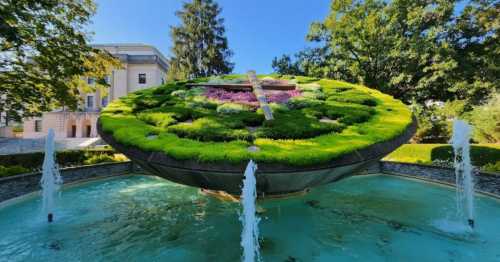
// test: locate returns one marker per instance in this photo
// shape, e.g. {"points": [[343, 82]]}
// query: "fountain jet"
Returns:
{"points": [[250, 232], [51, 178], [463, 171]]}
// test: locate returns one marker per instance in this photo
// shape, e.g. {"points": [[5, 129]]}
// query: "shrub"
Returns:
{"points": [[278, 107], [63, 158], [17, 129], [96, 159], [306, 79], [481, 154], [348, 113], [314, 95], [169, 88], [179, 93], [353, 96], [201, 102], [295, 125], [209, 129], [492, 167], [157, 118], [196, 91], [309, 88], [231, 108], [12, 170], [302, 102], [486, 121], [104, 158], [432, 127], [148, 101]]}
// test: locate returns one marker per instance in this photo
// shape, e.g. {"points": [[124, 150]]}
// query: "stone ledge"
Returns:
{"points": [[485, 182], [15, 186]]}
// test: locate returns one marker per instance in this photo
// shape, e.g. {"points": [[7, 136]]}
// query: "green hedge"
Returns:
{"points": [[12, 170], [64, 158], [482, 155]]}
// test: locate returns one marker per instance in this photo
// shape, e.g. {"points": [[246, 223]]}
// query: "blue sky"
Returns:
{"points": [[257, 30]]}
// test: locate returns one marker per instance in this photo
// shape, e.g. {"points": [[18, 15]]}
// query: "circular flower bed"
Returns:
{"points": [[316, 123]]}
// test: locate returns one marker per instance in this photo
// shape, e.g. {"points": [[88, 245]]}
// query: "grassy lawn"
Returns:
{"points": [[482, 155], [189, 124]]}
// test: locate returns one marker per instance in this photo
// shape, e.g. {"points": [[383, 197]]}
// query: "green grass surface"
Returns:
{"points": [[186, 125], [487, 155]]}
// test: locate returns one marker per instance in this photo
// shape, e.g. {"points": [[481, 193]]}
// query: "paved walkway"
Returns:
{"points": [[18, 145]]}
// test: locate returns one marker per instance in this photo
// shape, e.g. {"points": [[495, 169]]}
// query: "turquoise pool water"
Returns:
{"points": [[140, 218]]}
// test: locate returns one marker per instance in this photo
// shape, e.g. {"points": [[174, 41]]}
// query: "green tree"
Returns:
{"points": [[413, 49], [200, 47], [98, 66], [42, 49], [486, 120], [285, 66], [475, 39]]}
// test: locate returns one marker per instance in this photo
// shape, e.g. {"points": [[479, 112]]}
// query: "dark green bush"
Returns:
{"points": [[479, 155], [305, 79], [12, 170], [348, 113], [96, 159], [63, 158], [492, 167], [294, 125], [158, 119], [211, 129], [169, 88], [303, 102], [353, 96], [148, 101]]}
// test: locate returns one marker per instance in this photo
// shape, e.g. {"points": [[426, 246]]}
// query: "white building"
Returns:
{"points": [[142, 66]]}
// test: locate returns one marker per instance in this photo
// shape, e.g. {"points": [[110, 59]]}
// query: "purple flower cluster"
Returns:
{"points": [[248, 97], [281, 96], [242, 97]]}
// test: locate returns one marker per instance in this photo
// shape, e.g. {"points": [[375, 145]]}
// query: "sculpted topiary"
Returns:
{"points": [[315, 122]]}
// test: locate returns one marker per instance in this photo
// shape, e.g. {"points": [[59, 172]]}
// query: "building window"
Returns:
{"points": [[90, 81], [104, 101], [90, 101], [142, 78], [38, 125]]}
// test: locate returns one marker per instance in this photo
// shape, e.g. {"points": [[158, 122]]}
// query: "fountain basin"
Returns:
{"points": [[143, 218]]}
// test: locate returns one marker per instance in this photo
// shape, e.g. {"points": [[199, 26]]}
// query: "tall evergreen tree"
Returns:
{"points": [[200, 47]]}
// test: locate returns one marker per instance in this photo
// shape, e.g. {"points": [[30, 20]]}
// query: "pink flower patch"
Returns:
{"points": [[248, 97]]}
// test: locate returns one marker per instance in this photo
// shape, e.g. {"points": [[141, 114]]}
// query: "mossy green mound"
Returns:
{"points": [[329, 118]]}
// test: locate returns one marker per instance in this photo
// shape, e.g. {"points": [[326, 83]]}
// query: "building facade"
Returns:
{"points": [[143, 66]]}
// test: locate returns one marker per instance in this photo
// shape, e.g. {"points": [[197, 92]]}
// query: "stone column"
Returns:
{"points": [[93, 121], [79, 125]]}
